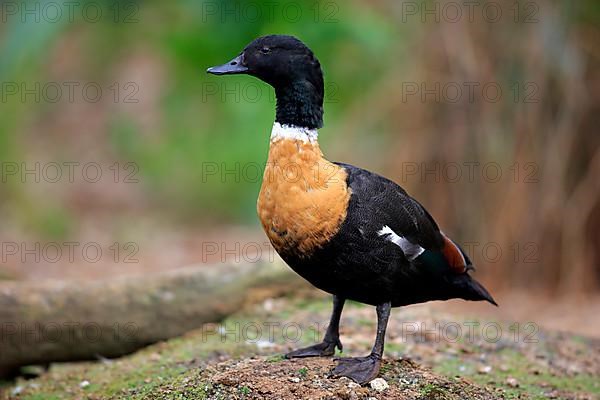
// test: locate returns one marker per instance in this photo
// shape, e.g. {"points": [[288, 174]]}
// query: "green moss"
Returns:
{"points": [[139, 376], [276, 358], [433, 392], [385, 368], [516, 365], [42, 397], [245, 390]]}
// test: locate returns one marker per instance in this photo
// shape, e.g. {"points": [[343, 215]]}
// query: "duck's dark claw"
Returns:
{"points": [[323, 349], [359, 369]]}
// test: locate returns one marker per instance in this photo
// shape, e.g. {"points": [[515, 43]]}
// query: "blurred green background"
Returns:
{"points": [[185, 131]]}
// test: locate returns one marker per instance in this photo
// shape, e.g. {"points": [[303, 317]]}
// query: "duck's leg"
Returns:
{"points": [[332, 336], [365, 369]]}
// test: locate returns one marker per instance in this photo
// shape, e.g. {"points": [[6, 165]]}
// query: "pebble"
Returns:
{"points": [[485, 369], [512, 382], [353, 385], [84, 384], [294, 379], [379, 384], [408, 381], [268, 305]]}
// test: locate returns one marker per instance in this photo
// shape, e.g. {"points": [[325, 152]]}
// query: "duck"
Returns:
{"points": [[349, 232]]}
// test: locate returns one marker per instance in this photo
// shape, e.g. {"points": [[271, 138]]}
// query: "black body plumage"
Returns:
{"points": [[362, 265]]}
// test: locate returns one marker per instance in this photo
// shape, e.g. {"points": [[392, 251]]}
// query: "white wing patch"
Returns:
{"points": [[410, 250]]}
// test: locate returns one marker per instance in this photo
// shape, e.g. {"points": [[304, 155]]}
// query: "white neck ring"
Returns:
{"points": [[293, 132]]}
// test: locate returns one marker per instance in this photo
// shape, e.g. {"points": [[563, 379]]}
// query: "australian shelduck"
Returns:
{"points": [[348, 231]]}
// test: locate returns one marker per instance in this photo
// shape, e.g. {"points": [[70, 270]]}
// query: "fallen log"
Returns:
{"points": [[54, 321]]}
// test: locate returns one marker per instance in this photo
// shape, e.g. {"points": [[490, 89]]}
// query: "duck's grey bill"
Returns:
{"points": [[232, 67]]}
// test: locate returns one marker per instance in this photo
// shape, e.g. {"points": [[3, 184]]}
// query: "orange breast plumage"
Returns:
{"points": [[303, 199]]}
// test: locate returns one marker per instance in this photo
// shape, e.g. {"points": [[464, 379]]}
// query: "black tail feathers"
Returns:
{"points": [[470, 289]]}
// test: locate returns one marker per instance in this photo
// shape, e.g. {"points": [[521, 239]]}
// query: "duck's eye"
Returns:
{"points": [[265, 50]]}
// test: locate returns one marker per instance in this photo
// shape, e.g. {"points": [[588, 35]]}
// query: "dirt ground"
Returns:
{"points": [[259, 378], [431, 353]]}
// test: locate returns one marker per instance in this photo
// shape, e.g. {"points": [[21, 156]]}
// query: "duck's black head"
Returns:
{"points": [[288, 65]]}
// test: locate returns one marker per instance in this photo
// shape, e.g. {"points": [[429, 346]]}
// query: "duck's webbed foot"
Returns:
{"points": [[323, 349], [359, 369], [365, 369]]}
